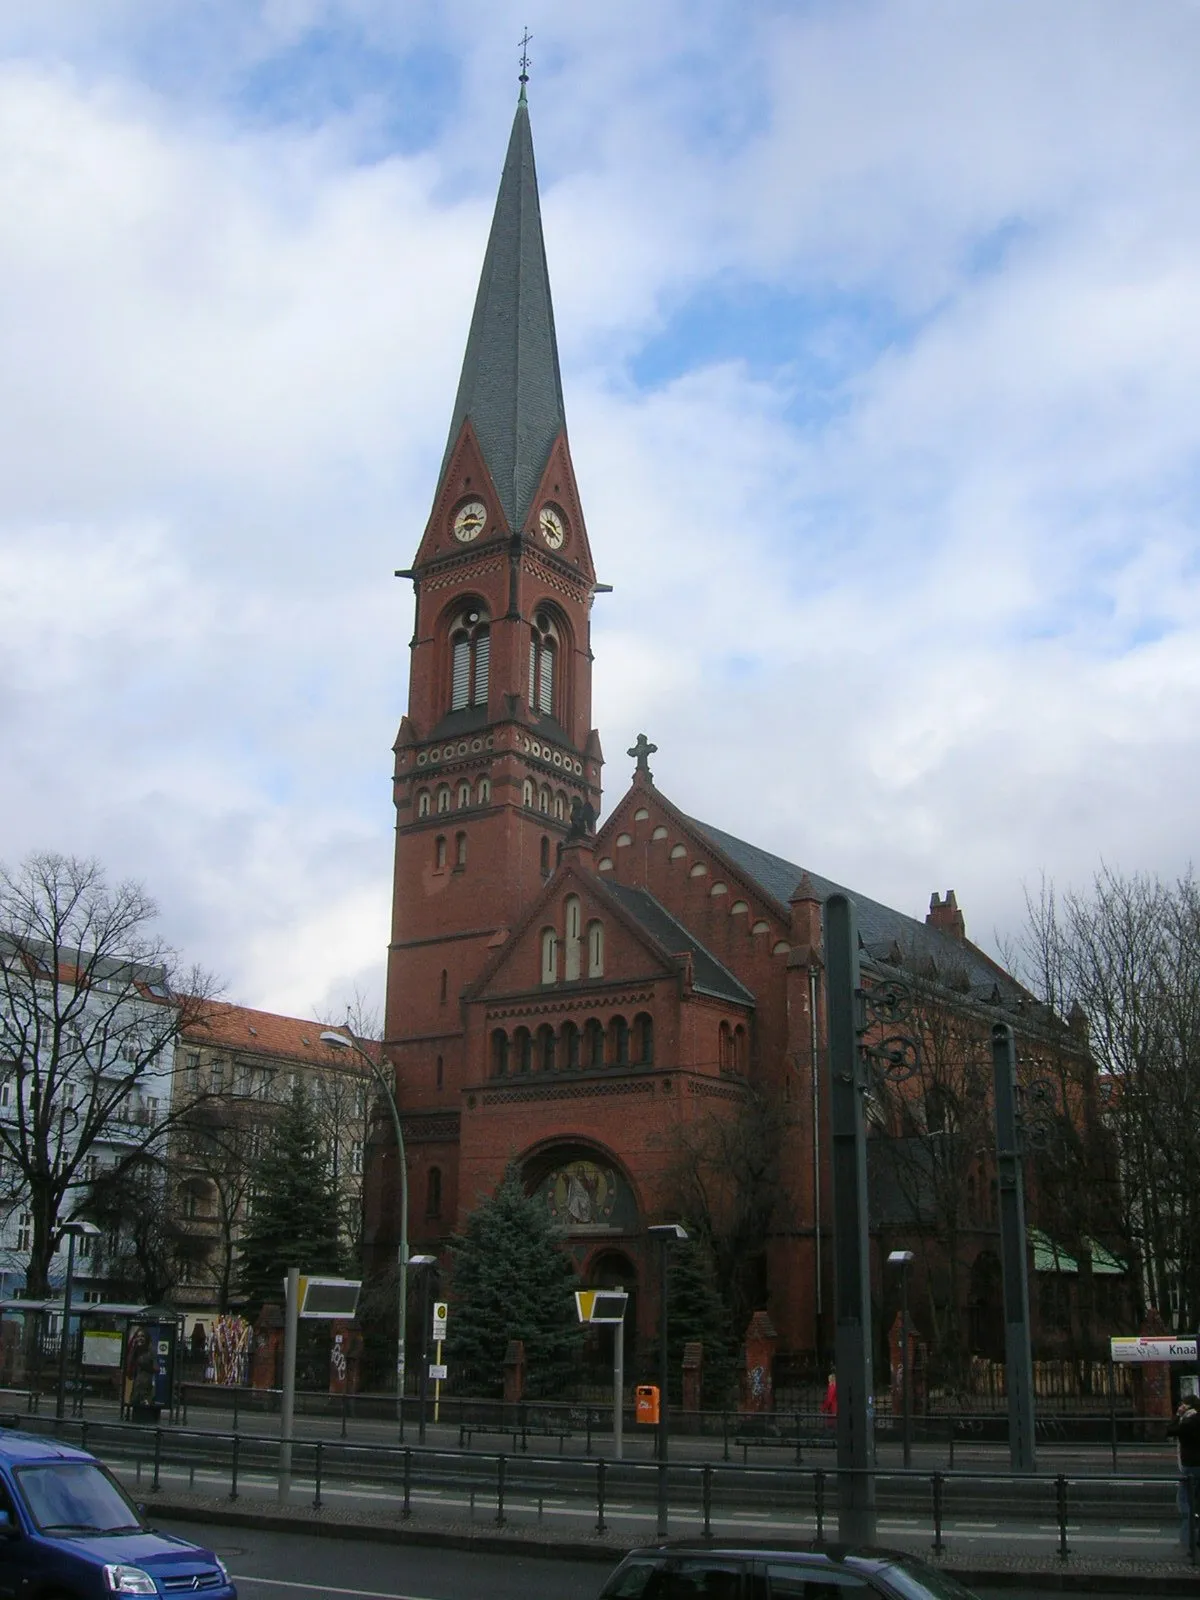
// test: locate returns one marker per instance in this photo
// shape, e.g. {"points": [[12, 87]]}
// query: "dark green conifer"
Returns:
{"points": [[511, 1279]]}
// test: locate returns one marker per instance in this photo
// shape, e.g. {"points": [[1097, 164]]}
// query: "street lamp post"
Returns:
{"points": [[667, 1233], [348, 1041], [73, 1230], [425, 1265], [902, 1259]]}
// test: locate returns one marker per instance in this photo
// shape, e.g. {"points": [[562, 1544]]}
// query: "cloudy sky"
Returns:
{"points": [[880, 329]]}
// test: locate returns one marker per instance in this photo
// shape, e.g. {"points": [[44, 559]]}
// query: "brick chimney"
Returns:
{"points": [[945, 915]]}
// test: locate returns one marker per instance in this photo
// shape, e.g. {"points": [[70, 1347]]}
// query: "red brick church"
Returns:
{"points": [[559, 996]]}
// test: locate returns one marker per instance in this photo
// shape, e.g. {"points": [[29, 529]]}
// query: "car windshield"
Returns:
{"points": [[918, 1582], [76, 1497]]}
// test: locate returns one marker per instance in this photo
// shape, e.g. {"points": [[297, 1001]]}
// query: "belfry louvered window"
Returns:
{"points": [[470, 653], [543, 649]]}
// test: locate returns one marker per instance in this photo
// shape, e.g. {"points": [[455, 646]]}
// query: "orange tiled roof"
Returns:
{"points": [[266, 1033]]}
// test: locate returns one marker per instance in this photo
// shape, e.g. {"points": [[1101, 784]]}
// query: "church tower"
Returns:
{"points": [[497, 749]]}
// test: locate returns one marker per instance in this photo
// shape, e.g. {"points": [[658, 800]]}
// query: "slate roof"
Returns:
{"points": [[510, 387], [879, 927], [709, 976]]}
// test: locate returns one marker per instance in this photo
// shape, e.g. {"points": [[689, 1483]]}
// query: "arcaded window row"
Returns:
{"points": [[574, 1049]]}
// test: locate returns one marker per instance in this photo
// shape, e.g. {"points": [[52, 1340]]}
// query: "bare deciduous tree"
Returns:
{"points": [[91, 1006]]}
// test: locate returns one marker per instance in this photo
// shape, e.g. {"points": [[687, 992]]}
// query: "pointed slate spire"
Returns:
{"points": [[510, 389]]}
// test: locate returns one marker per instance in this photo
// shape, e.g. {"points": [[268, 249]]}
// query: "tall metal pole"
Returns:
{"points": [[1017, 1355], [905, 1370], [618, 1386], [64, 1331], [426, 1274], [287, 1409], [664, 1376], [851, 1258], [347, 1039]]}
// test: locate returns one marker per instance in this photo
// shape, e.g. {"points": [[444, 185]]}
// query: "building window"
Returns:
{"points": [[423, 803], [439, 852], [25, 1231], [549, 955], [83, 1247], [484, 791], [460, 849], [527, 792], [440, 1074], [570, 1045], [560, 807], [5, 1096], [356, 1157], [523, 1040], [593, 1044], [443, 798], [499, 1053], [547, 1060], [543, 655], [216, 1078], [595, 949], [739, 1049], [643, 1026], [574, 923], [619, 1033], [470, 645], [433, 1192], [725, 1048], [464, 796], [545, 858], [445, 986]]}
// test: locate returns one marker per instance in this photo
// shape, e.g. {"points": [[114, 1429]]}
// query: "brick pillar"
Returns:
{"points": [[758, 1381], [693, 1375], [916, 1367], [514, 1371], [268, 1348]]}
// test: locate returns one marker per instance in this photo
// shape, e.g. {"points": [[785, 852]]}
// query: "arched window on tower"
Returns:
{"points": [[433, 1192], [527, 792], [543, 663], [484, 792], [545, 858], [470, 650], [618, 1033], [464, 795], [546, 1054], [593, 1044], [423, 803]]}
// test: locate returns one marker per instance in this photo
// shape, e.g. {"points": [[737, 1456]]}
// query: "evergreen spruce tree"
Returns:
{"points": [[696, 1311], [512, 1280], [294, 1222]]}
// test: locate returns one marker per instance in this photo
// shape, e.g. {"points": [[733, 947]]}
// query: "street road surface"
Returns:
{"points": [[277, 1566]]}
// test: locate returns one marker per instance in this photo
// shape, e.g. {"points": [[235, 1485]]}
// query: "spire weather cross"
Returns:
{"points": [[643, 750], [524, 42]]}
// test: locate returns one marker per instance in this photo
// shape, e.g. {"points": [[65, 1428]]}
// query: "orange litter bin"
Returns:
{"points": [[646, 1396]]}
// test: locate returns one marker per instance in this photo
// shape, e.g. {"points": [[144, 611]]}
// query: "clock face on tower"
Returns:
{"points": [[469, 521], [551, 527]]}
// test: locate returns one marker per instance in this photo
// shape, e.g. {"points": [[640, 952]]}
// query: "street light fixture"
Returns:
{"points": [[347, 1040], [425, 1264], [903, 1259], [668, 1234], [73, 1231]]}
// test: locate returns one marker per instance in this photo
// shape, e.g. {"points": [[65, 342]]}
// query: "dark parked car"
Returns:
{"points": [[712, 1571], [68, 1531]]}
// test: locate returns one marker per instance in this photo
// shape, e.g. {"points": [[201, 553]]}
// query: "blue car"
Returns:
{"points": [[68, 1531]]}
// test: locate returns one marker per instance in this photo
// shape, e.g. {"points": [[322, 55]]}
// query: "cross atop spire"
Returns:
{"points": [[524, 78]]}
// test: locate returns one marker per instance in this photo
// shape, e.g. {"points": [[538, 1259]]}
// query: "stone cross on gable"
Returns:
{"points": [[643, 750]]}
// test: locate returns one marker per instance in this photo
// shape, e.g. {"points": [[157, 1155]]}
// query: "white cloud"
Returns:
{"points": [[936, 627]]}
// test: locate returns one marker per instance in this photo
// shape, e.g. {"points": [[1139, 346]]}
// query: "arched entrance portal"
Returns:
{"points": [[588, 1194]]}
